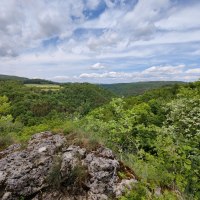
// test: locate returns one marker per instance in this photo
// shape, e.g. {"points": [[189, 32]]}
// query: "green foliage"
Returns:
{"points": [[139, 192], [38, 82], [158, 135], [7, 124], [4, 105], [131, 89], [183, 125], [5, 140], [54, 176], [5, 118], [142, 191], [122, 175], [33, 105], [7, 77], [77, 177], [124, 127]]}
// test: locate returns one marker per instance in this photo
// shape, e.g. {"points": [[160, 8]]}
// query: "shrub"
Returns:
{"points": [[5, 140], [54, 176], [76, 179], [139, 192]]}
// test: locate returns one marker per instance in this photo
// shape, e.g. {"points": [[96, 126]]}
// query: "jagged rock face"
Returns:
{"points": [[49, 169]]}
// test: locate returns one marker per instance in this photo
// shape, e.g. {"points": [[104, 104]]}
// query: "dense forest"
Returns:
{"points": [[130, 89], [157, 133]]}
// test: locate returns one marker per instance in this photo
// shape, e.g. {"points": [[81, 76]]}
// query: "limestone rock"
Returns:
{"points": [[47, 161]]}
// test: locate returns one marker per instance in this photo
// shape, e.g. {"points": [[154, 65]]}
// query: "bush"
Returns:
{"points": [[139, 192], [5, 140], [54, 177], [77, 176]]}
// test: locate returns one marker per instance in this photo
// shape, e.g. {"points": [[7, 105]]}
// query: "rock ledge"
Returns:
{"points": [[49, 169]]}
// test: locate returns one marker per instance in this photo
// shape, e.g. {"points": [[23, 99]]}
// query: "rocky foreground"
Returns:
{"points": [[51, 169]]}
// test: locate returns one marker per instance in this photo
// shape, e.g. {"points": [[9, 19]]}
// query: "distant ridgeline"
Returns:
{"points": [[119, 89], [155, 133], [7, 77], [35, 100], [26, 80], [132, 89]]}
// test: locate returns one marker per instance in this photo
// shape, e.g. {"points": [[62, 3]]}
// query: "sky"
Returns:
{"points": [[100, 41]]}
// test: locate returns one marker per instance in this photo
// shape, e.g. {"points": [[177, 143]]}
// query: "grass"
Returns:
{"points": [[5, 141], [54, 176], [45, 87], [77, 178]]}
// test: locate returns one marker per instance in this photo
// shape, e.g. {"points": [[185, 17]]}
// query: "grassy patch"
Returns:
{"points": [[5, 141], [45, 87]]}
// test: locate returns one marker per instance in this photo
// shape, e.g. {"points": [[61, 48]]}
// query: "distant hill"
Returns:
{"points": [[119, 89], [39, 81], [130, 89], [26, 80], [8, 77]]}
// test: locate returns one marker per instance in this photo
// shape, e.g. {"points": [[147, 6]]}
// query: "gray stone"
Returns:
{"points": [[123, 186], [42, 149], [2, 177], [157, 191], [25, 173], [7, 196]]}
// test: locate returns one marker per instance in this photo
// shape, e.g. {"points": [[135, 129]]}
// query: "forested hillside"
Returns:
{"points": [[32, 105], [130, 89], [7, 77], [157, 134], [25, 80]]}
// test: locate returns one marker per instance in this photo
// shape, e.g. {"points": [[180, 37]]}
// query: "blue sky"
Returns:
{"points": [[100, 41]]}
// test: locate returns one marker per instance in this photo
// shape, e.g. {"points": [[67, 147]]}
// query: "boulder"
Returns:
{"points": [[49, 169]]}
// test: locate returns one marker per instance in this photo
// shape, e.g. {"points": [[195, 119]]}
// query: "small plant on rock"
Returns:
{"points": [[77, 178], [54, 176]]}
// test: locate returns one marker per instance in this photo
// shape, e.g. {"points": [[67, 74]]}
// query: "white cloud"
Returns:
{"points": [[97, 66], [164, 70], [92, 4], [193, 71], [113, 75], [144, 33], [181, 18], [24, 24], [167, 72]]}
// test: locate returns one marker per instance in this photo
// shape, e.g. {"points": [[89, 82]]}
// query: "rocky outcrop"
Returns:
{"points": [[49, 169]]}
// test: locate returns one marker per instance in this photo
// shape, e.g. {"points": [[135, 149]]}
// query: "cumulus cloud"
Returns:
{"points": [[193, 71], [163, 70], [55, 33], [167, 72], [113, 75], [24, 24], [28, 23], [97, 66]]}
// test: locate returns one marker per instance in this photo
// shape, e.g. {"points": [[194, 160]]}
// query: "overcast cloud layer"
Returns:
{"points": [[102, 41]]}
